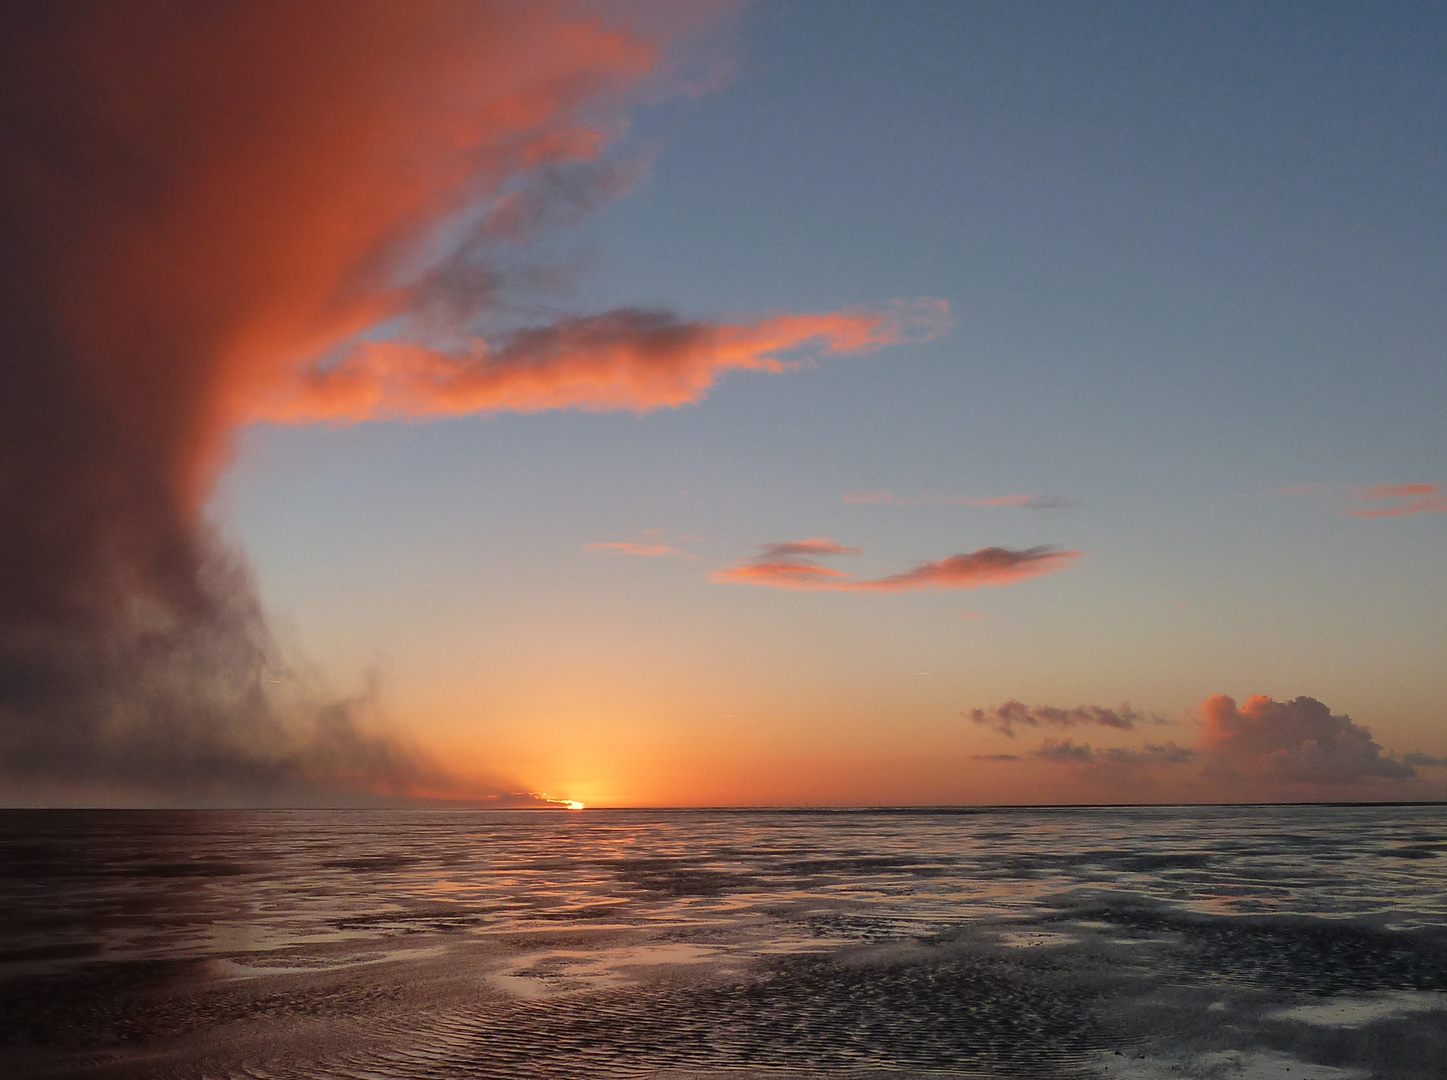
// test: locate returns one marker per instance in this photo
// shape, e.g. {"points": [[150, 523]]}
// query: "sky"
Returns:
{"points": [[724, 404]]}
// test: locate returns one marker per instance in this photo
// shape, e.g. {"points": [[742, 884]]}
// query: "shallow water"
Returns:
{"points": [[1136, 942]]}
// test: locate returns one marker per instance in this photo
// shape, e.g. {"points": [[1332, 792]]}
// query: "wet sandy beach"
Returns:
{"points": [[1133, 943]]}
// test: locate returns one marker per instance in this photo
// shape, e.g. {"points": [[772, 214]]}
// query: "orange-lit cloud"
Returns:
{"points": [[624, 547], [625, 359], [1402, 500], [1299, 740], [936, 498], [1373, 500], [786, 566], [1007, 717]]}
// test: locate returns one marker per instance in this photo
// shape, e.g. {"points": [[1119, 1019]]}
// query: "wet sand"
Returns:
{"points": [[1133, 944]]}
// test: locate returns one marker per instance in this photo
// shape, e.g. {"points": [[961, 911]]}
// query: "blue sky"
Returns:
{"points": [[1194, 255]]}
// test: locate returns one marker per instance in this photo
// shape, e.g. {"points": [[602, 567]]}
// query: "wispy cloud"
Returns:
{"points": [[1025, 502], [815, 545], [627, 547], [789, 566], [627, 359], [937, 498], [1007, 717], [1068, 752], [1372, 500], [1398, 500]]}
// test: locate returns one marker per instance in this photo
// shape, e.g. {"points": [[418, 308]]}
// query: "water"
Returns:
{"points": [[1134, 943]]}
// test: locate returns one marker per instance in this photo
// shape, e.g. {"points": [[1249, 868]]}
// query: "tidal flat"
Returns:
{"points": [[1282, 942]]}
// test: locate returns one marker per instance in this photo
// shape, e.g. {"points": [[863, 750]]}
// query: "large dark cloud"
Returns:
{"points": [[195, 199]]}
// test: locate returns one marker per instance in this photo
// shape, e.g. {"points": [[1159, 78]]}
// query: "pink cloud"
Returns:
{"points": [[1374, 500], [625, 547], [785, 566], [815, 545], [1262, 749], [626, 359], [1403, 499], [1299, 740]]}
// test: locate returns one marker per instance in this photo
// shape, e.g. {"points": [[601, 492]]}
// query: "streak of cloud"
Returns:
{"points": [[1372, 500], [815, 545], [1401, 500], [1014, 714], [785, 566], [935, 498], [625, 359], [625, 547], [1072, 753]]}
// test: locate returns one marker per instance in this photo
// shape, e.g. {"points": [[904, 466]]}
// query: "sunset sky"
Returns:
{"points": [[792, 403]]}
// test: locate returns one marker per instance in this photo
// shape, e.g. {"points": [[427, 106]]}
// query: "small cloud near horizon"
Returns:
{"points": [[1416, 757], [1005, 718], [1300, 740], [1070, 752], [789, 566]]}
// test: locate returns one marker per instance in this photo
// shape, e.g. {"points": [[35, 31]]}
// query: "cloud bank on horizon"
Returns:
{"points": [[1298, 745], [217, 214]]}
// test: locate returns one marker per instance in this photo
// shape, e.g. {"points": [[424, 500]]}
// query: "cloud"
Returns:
{"points": [[1005, 718], [817, 545], [1402, 500], [624, 547], [1071, 753], [1373, 500], [935, 498], [626, 359], [995, 757], [213, 214], [1416, 757], [1025, 502], [784, 566], [1299, 740]]}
